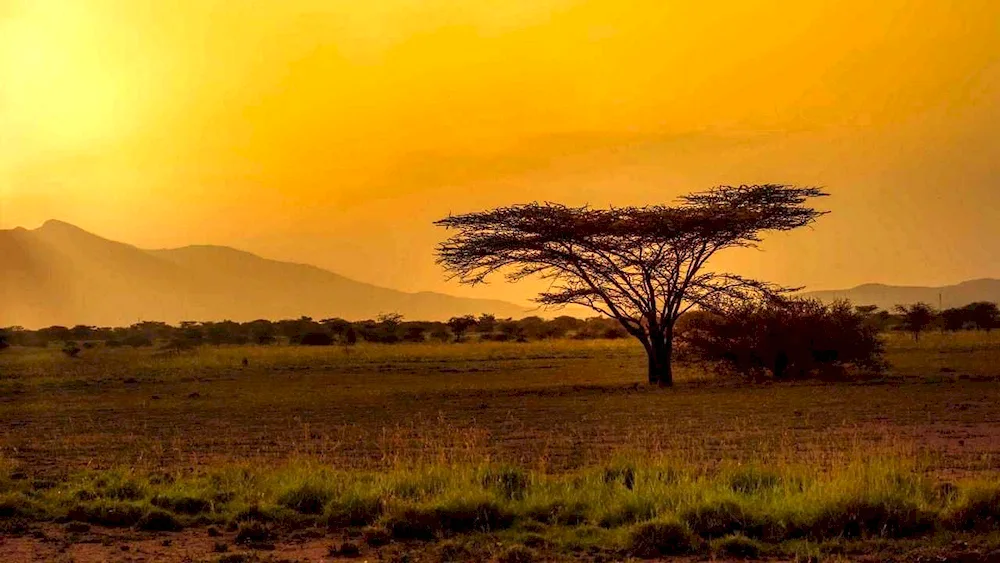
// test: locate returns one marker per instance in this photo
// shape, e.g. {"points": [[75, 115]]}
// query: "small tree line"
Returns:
{"points": [[306, 331]]}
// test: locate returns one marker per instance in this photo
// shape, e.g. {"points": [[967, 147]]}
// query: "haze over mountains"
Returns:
{"points": [[59, 274], [888, 296]]}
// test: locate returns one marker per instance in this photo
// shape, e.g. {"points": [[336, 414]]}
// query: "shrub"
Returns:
{"points": [[316, 339], [796, 338], [71, 349], [661, 539]]}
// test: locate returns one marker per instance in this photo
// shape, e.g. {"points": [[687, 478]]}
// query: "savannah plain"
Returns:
{"points": [[507, 451]]}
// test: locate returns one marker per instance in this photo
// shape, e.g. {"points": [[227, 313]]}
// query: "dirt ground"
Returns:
{"points": [[71, 543]]}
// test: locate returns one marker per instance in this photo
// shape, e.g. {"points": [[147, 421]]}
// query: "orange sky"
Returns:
{"points": [[334, 131]]}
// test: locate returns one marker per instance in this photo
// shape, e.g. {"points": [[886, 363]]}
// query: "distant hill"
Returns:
{"points": [[888, 296], [61, 274]]}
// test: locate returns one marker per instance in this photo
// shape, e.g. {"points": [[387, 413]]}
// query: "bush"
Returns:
{"points": [[661, 539], [793, 339], [316, 339]]}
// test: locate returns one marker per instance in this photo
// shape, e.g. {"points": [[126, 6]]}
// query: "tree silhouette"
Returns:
{"points": [[644, 266], [916, 318], [461, 325]]}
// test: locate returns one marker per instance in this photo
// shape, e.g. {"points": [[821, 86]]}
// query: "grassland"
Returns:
{"points": [[549, 448]]}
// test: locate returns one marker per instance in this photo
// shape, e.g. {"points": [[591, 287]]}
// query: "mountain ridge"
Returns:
{"points": [[62, 274], [887, 296]]}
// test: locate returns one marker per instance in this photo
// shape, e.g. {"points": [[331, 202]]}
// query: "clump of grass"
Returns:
{"points": [[306, 498], [620, 474], [978, 511], [16, 505], [128, 489], [112, 514], [354, 510], [630, 511], [518, 554], [509, 482], [253, 533], [723, 518], [413, 524], [473, 515], [661, 539], [880, 518], [376, 536], [753, 480], [450, 551], [182, 504], [157, 520], [418, 486], [738, 546], [558, 513]]}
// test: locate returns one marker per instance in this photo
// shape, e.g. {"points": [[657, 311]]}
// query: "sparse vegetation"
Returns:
{"points": [[533, 445]]}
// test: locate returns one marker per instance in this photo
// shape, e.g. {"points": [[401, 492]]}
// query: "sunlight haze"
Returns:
{"points": [[334, 132]]}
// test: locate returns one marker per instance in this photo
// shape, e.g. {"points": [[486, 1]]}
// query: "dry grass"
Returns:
{"points": [[546, 406], [553, 445]]}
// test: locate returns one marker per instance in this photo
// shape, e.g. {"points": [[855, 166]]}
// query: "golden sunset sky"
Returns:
{"points": [[334, 132]]}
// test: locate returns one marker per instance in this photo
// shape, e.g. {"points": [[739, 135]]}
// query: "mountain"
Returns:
{"points": [[61, 274], [888, 296]]}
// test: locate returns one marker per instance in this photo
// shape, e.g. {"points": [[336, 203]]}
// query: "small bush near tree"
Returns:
{"points": [[788, 339]]}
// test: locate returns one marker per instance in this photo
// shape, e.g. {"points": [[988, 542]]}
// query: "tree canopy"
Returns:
{"points": [[644, 266]]}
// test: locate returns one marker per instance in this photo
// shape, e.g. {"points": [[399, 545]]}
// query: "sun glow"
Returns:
{"points": [[58, 89]]}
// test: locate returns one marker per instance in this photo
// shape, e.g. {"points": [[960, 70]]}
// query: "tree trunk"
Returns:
{"points": [[660, 352]]}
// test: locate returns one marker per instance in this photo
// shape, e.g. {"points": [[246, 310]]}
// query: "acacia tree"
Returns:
{"points": [[916, 318], [644, 266]]}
